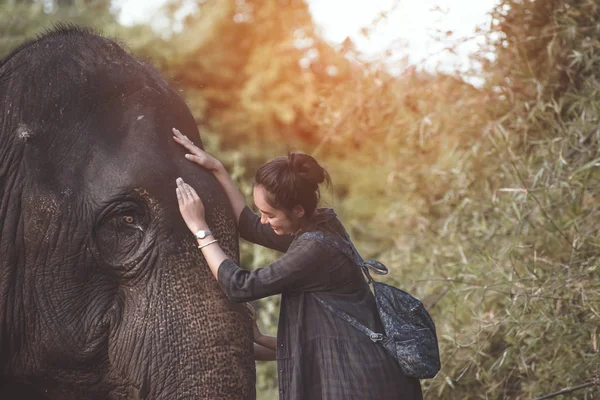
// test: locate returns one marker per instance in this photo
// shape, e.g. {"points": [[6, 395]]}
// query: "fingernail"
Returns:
{"points": [[188, 155], [179, 180]]}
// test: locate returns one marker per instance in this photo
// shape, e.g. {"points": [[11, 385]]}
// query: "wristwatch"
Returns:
{"points": [[201, 234]]}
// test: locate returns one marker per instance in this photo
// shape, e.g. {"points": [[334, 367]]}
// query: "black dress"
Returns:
{"points": [[318, 355]]}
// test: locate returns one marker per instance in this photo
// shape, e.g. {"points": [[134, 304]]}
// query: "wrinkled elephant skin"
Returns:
{"points": [[103, 293]]}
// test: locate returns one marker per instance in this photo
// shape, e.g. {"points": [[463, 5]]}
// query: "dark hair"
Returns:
{"points": [[292, 180]]}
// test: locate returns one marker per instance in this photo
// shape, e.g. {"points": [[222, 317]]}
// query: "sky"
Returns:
{"points": [[409, 30]]}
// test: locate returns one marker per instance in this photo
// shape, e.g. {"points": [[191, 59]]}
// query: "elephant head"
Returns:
{"points": [[103, 293]]}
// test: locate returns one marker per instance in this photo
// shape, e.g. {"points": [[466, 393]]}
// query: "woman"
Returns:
{"points": [[318, 355]]}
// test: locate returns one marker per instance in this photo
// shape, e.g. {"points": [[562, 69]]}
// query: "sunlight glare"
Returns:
{"points": [[417, 30]]}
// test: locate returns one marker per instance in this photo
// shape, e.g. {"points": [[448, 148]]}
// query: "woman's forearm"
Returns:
{"points": [[262, 353], [211, 250], [270, 342], [235, 197]]}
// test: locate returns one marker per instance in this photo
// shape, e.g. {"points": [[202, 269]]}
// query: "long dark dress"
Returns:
{"points": [[318, 355]]}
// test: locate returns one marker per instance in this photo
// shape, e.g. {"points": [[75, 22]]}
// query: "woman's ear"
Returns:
{"points": [[298, 211]]}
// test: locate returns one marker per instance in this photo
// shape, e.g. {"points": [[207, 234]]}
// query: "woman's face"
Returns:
{"points": [[281, 222]]}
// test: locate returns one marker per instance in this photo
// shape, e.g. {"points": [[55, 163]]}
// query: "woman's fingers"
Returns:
{"points": [[197, 155], [184, 141], [190, 206], [182, 191], [191, 192], [251, 311], [202, 159], [188, 192], [179, 196], [182, 137], [182, 194], [185, 192], [178, 134], [196, 159]]}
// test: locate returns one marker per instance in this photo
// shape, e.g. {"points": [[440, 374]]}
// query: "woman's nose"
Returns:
{"points": [[263, 220]]}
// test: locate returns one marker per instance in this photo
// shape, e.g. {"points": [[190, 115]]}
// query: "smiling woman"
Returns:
{"points": [[286, 199], [318, 356]]}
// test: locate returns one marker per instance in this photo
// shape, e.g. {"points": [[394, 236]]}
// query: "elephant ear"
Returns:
{"points": [[120, 233]]}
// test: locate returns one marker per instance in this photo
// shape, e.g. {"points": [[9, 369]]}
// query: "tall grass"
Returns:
{"points": [[485, 203]]}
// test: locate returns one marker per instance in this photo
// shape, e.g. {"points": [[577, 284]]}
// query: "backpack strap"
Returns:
{"points": [[349, 250], [375, 337], [347, 247]]}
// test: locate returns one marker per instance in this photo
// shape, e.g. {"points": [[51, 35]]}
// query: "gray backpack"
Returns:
{"points": [[409, 332]]}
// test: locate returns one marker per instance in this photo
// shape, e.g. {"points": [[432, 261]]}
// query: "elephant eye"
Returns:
{"points": [[120, 233]]}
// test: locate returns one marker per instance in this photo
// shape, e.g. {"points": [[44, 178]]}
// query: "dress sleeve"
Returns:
{"points": [[305, 267], [252, 230]]}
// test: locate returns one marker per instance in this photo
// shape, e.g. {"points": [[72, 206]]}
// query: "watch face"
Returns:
{"points": [[202, 234]]}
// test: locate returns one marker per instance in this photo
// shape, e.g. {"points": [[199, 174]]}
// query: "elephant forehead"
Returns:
{"points": [[141, 151], [149, 174]]}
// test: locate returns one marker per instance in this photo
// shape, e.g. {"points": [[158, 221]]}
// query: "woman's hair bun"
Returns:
{"points": [[307, 168], [292, 180]]}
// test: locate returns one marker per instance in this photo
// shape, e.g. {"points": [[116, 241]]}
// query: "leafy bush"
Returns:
{"points": [[483, 202]]}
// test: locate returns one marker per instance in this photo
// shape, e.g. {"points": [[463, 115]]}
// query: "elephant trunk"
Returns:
{"points": [[180, 337]]}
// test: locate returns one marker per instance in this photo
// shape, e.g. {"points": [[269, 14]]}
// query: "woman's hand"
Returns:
{"points": [[197, 155], [200, 157], [256, 333], [267, 345], [190, 206]]}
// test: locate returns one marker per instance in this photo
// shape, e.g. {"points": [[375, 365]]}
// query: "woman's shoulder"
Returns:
{"points": [[330, 242], [312, 237], [325, 228]]}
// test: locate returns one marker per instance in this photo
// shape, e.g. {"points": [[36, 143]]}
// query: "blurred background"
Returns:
{"points": [[462, 138]]}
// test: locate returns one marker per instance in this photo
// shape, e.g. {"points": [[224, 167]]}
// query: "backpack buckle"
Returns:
{"points": [[376, 337]]}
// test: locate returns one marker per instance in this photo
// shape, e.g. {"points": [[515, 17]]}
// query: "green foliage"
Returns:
{"points": [[520, 313], [483, 202], [22, 20]]}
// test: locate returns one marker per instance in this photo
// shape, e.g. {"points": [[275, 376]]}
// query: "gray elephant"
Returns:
{"points": [[103, 294]]}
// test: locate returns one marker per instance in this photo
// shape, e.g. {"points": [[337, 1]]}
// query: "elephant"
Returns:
{"points": [[103, 293]]}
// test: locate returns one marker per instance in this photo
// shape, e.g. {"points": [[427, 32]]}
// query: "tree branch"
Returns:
{"points": [[569, 390]]}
